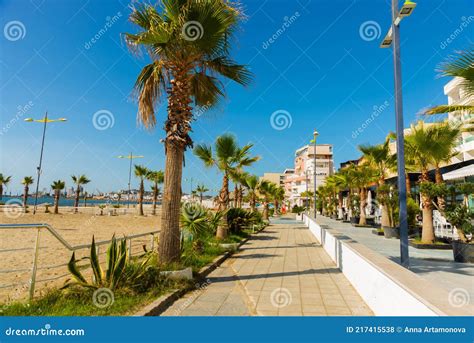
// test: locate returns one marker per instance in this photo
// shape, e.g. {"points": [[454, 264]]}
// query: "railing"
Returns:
{"points": [[442, 228], [36, 248]]}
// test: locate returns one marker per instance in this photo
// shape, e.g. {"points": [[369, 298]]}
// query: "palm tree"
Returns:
{"points": [[238, 175], [156, 178], [381, 159], [251, 183], [79, 181], [4, 180], [201, 189], [27, 181], [460, 65], [446, 137], [278, 196], [141, 172], [420, 143], [363, 175], [184, 68], [57, 187], [227, 157], [266, 189]]}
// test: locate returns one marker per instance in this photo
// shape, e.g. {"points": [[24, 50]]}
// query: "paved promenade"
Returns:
{"points": [[436, 266], [282, 271]]}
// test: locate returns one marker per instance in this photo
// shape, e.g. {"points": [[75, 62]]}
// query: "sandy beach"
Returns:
{"points": [[16, 245]]}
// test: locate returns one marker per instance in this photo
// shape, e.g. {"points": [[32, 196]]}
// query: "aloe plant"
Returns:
{"points": [[115, 275]]}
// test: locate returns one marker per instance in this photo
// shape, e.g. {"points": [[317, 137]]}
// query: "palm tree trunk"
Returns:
{"points": [[155, 198], [200, 198], [56, 201], [1, 191], [408, 183], [385, 219], [236, 195], [439, 181], [169, 243], [363, 204], [275, 205], [76, 199], [25, 197], [140, 198], [427, 233], [265, 210], [223, 202], [340, 203], [253, 202]]}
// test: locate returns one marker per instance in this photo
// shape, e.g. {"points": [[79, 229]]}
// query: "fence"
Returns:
{"points": [[34, 266]]}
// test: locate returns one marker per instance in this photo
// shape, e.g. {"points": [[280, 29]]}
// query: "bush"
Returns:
{"points": [[298, 209], [239, 219], [460, 217]]}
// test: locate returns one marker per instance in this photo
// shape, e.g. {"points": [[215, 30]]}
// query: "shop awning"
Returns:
{"points": [[460, 173]]}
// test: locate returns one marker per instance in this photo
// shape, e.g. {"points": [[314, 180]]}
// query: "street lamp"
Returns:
{"points": [[315, 135], [45, 121], [393, 36], [130, 157]]}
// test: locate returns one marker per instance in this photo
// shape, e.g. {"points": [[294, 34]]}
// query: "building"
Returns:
{"points": [[302, 177], [276, 178], [457, 96]]}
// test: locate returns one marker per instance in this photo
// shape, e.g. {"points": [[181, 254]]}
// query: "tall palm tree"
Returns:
{"points": [[201, 189], [459, 65], [4, 180], [78, 181], [251, 183], [156, 178], [57, 187], [27, 181], [242, 159], [420, 143], [382, 160], [141, 172], [278, 195], [226, 159], [188, 43]]}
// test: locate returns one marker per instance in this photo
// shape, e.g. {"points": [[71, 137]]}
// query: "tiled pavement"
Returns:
{"points": [[282, 271]]}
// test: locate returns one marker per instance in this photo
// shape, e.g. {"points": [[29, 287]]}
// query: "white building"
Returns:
{"points": [[302, 178], [457, 96]]}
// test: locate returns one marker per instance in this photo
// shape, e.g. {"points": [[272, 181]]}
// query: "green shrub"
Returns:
{"points": [[298, 209], [239, 219], [460, 217]]}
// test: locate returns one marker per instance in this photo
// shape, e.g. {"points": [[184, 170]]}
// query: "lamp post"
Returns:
{"points": [[130, 157], [393, 36], [315, 135], [45, 121]]}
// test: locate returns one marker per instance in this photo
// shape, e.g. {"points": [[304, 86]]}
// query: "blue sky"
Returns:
{"points": [[321, 69]]}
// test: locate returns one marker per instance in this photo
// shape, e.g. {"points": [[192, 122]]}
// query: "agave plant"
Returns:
{"points": [[115, 274]]}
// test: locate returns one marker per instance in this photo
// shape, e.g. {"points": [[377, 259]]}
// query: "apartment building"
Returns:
{"points": [[302, 178]]}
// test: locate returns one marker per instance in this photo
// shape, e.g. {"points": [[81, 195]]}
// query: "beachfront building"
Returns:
{"points": [[276, 178], [302, 178]]}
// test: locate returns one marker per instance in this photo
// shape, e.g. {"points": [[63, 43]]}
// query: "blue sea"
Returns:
{"points": [[68, 201]]}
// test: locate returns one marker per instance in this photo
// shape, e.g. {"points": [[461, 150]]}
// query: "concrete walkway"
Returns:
{"points": [[436, 266], [282, 271]]}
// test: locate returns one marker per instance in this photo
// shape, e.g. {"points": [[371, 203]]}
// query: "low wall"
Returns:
{"points": [[388, 288]]}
